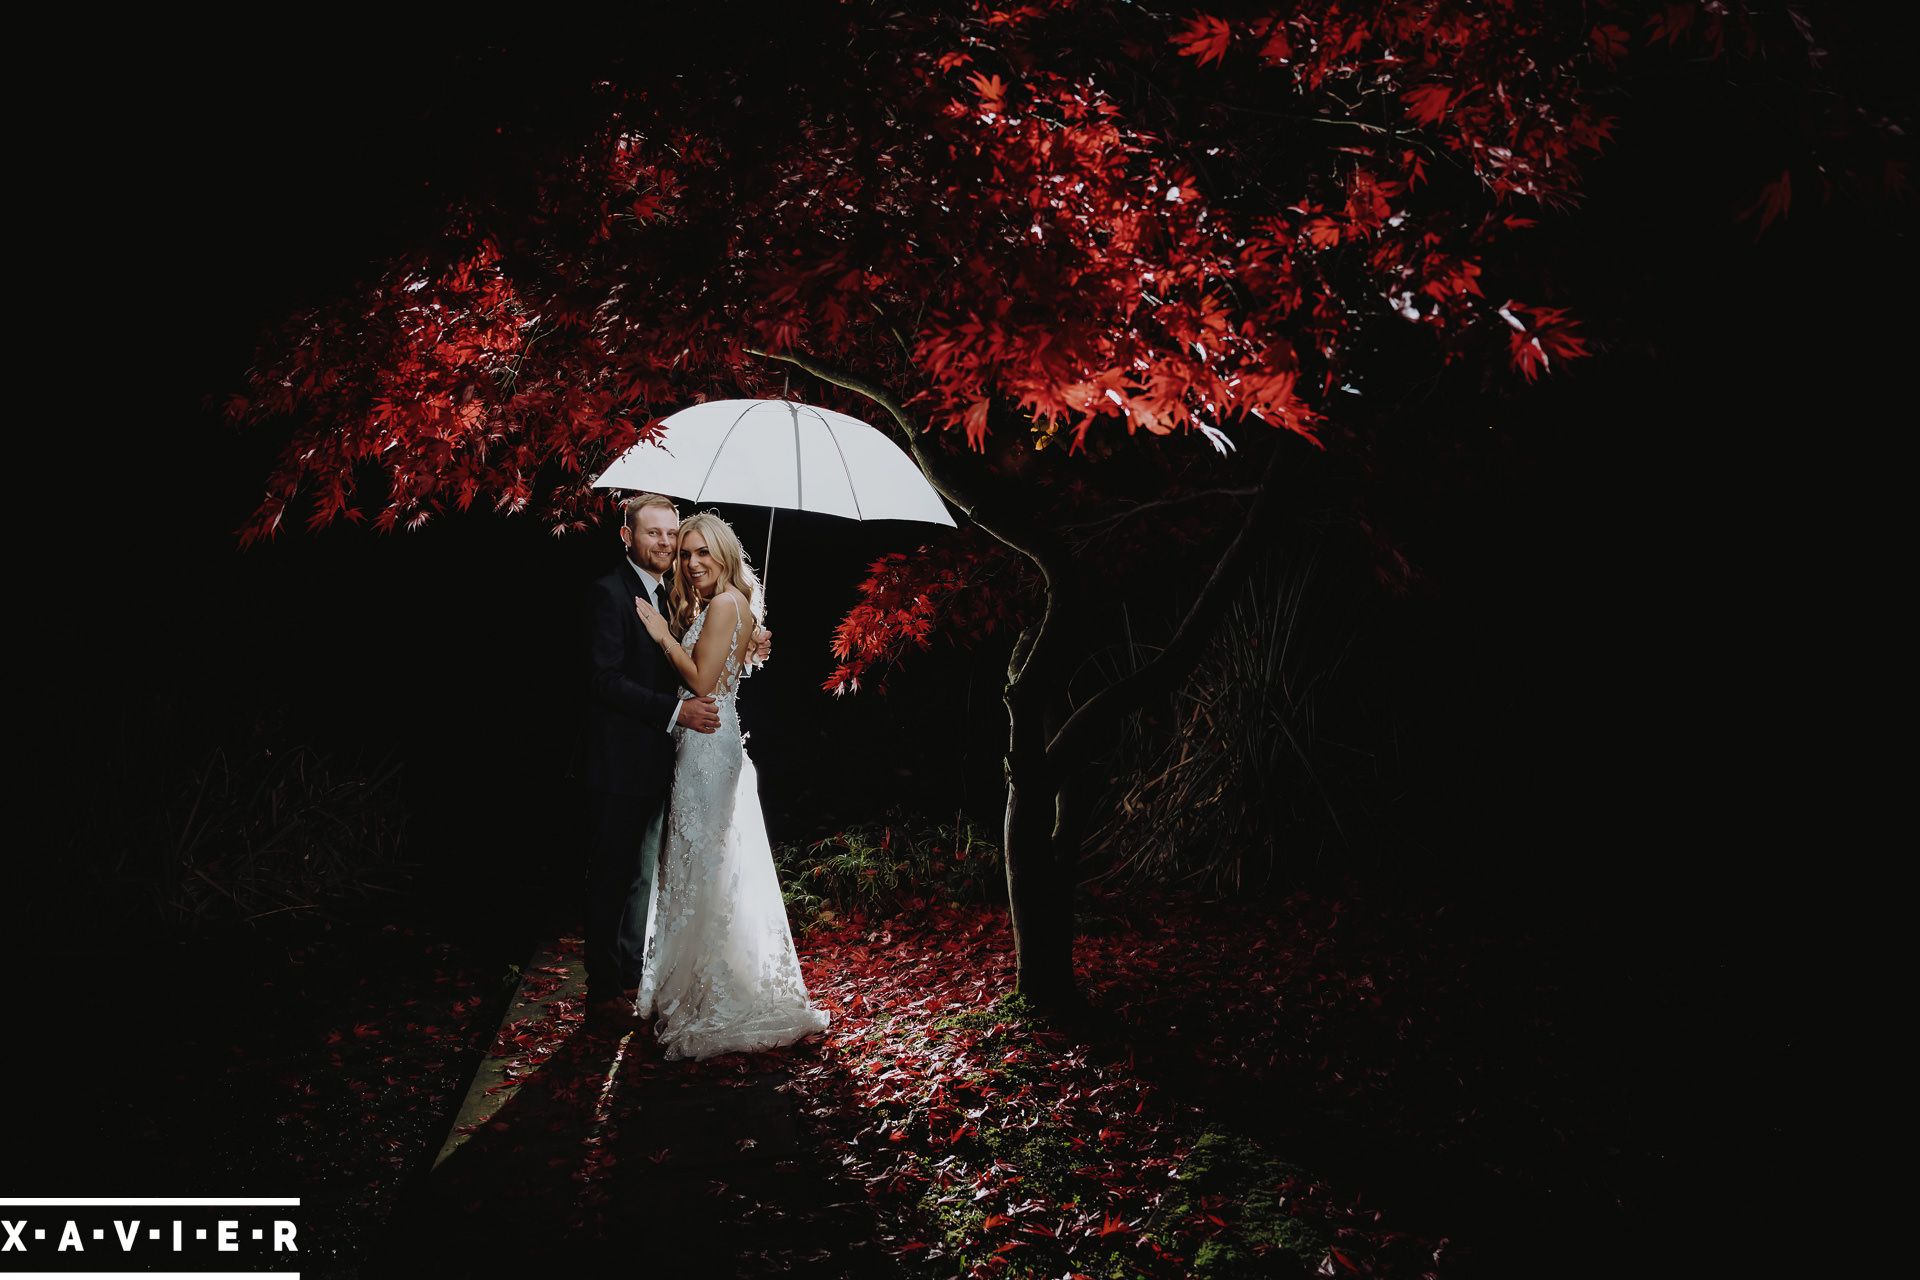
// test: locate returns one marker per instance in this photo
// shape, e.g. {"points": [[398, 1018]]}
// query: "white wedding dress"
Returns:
{"points": [[720, 975]]}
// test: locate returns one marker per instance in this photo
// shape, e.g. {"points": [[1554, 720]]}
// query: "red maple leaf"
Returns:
{"points": [[1539, 334], [1277, 50], [1427, 103], [992, 91], [1322, 232], [1610, 42], [1671, 22], [1775, 199], [1204, 39]]}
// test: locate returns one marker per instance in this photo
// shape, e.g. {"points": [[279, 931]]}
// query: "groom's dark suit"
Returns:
{"points": [[633, 690]]}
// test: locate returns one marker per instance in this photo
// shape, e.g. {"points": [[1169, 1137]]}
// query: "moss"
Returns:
{"points": [[1225, 1164], [1045, 1157], [1011, 1008], [956, 1229], [1221, 1258]]}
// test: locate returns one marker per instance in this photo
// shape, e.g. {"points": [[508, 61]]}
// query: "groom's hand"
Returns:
{"points": [[700, 714], [762, 645]]}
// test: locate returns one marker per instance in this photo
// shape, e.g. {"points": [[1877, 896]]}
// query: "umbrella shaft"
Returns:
{"points": [[766, 561]]}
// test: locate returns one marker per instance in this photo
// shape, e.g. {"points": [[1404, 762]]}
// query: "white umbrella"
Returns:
{"points": [[778, 453]]}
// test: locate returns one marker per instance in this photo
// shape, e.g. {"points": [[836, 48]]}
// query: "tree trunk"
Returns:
{"points": [[1039, 874]]}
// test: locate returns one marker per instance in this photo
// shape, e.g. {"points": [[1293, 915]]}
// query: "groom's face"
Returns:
{"points": [[652, 538]]}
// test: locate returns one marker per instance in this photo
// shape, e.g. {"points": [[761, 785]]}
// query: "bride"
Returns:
{"points": [[720, 972]]}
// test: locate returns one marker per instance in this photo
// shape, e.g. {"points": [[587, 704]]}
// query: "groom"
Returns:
{"points": [[635, 703]]}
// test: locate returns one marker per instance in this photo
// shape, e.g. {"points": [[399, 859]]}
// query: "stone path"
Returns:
{"points": [[605, 1156]]}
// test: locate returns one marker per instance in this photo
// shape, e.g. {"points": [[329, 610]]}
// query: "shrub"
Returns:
{"points": [[878, 867], [1248, 787], [205, 822]]}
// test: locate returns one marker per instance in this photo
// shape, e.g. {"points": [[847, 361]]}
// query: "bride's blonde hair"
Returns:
{"points": [[735, 572]]}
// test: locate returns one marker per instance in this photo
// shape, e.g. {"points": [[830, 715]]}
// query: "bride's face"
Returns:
{"points": [[699, 569]]}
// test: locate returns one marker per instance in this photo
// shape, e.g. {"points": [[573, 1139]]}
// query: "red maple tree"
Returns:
{"points": [[1047, 244]]}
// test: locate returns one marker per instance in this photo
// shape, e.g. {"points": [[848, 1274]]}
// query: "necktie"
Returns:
{"points": [[660, 597]]}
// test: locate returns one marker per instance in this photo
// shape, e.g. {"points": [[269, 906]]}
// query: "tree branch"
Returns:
{"points": [[1118, 516], [1172, 664], [1042, 546]]}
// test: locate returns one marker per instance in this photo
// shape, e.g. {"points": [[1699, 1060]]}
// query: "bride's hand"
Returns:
{"points": [[650, 619]]}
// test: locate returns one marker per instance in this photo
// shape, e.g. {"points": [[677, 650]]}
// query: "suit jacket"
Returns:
{"points": [[632, 689]]}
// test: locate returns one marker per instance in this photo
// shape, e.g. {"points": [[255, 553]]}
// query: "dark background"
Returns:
{"points": [[1643, 690]]}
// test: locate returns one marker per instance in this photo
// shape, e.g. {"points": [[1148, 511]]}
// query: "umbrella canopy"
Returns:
{"points": [[782, 454]]}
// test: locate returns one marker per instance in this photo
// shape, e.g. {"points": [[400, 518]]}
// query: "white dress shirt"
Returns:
{"points": [[652, 585]]}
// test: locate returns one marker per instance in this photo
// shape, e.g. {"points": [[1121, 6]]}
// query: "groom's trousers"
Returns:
{"points": [[619, 884]]}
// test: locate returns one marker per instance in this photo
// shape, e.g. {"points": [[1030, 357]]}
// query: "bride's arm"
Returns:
{"points": [[699, 670]]}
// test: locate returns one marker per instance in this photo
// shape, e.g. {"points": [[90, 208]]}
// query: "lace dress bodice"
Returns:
{"points": [[732, 671], [706, 763]]}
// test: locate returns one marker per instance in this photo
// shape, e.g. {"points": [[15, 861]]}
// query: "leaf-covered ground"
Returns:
{"points": [[1310, 1086], [1317, 1085]]}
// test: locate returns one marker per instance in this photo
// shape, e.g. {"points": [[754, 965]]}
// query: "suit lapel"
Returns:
{"points": [[631, 576], [664, 675], [635, 587]]}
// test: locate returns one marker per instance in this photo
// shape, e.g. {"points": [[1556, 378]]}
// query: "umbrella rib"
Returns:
{"points": [[799, 477], [722, 448], [844, 468]]}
